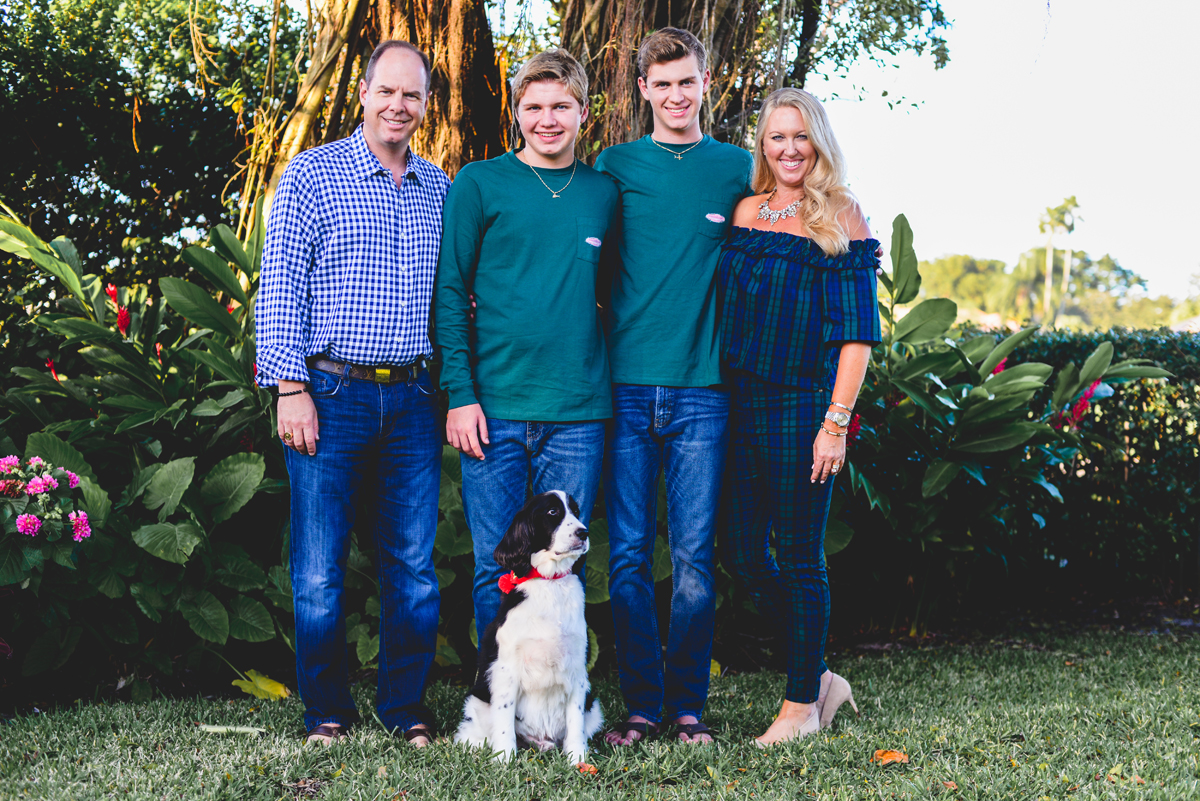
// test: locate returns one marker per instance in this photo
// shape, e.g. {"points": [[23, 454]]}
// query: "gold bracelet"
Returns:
{"points": [[832, 433]]}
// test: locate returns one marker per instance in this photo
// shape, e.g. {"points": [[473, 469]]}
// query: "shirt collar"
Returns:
{"points": [[367, 163]]}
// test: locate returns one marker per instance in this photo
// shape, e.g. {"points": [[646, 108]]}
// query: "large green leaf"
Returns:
{"points": [[59, 454], [258, 235], [367, 649], [225, 242], [106, 580], [149, 600], [596, 576], [23, 243], [120, 627], [173, 542], [1065, 386], [206, 616], [661, 567], [451, 539], [1030, 371], [922, 399], [96, 503], [1128, 371], [941, 363], [232, 483], [999, 438], [12, 565], [50, 650], [249, 620], [197, 305], [1006, 347], [837, 536], [241, 574], [215, 269], [938, 476], [906, 277], [167, 486], [1096, 364], [991, 408], [929, 319]]}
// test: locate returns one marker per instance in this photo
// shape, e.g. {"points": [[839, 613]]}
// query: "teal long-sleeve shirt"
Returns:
{"points": [[535, 350]]}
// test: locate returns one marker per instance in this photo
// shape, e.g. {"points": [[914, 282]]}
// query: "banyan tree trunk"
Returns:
{"points": [[605, 35], [467, 114]]}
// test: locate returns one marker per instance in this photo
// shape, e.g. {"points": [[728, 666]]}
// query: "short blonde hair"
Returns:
{"points": [[825, 192], [554, 64], [669, 44]]}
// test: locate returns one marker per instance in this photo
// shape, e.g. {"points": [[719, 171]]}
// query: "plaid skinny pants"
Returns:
{"points": [[772, 429]]}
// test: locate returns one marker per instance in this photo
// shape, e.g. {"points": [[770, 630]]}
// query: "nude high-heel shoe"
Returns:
{"points": [[835, 691]]}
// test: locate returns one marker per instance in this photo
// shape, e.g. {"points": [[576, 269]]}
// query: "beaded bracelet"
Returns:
{"points": [[832, 433], [289, 394]]}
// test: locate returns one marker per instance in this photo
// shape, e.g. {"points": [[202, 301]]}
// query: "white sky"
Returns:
{"points": [[1092, 98], [1042, 99]]}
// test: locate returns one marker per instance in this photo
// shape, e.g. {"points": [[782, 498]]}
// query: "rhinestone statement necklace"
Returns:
{"points": [[765, 212], [554, 194]]}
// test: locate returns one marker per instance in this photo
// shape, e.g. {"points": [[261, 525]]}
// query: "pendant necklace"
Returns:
{"points": [[678, 155], [553, 194], [765, 212]]}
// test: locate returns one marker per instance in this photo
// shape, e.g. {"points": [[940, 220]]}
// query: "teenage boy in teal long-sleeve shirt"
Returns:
{"points": [[528, 376], [678, 190]]}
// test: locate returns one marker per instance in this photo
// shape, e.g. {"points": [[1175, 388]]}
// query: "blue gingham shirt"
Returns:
{"points": [[348, 262]]}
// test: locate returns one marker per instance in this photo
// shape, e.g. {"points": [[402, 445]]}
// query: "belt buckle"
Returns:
{"points": [[383, 375]]}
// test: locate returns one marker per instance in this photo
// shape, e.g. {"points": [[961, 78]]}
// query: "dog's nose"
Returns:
{"points": [[582, 534]]}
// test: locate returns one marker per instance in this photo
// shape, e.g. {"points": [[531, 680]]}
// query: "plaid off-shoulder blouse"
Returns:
{"points": [[787, 307]]}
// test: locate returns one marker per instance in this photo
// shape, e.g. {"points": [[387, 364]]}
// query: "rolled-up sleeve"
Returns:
{"points": [[850, 296], [281, 314]]}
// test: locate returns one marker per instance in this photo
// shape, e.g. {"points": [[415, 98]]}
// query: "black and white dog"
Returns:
{"points": [[532, 680]]}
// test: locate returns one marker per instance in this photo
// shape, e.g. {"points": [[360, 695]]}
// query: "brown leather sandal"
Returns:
{"points": [[333, 731], [420, 730]]}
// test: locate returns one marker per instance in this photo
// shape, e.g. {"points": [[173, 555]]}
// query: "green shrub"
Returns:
{"points": [[958, 451]]}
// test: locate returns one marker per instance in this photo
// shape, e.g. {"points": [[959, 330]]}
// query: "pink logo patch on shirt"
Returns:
{"points": [[717, 218], [593, 241]]}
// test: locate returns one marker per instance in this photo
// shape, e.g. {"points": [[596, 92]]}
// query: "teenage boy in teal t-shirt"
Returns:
{"points": [[678, 189], [528, 375]]}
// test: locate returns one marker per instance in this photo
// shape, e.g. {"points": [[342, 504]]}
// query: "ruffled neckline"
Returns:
{"points": [[780, 244]]}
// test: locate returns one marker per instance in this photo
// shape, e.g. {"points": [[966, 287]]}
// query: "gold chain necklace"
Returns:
{"points": [[553, 194], [677, 154]]}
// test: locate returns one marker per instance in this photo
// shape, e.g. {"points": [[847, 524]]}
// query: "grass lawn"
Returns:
{"points": [[1102, 715]]}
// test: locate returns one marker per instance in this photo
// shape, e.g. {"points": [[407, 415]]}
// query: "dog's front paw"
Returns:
{"points": [[504, 755], [577, 755]]}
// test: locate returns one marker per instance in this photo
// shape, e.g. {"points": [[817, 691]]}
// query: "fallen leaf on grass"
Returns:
{"points": [[261, 686], [382, 771], [888, 757], [950, 785], [231, 729], [1138, 779], [584, 767]]}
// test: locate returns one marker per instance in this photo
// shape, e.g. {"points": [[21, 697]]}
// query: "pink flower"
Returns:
{"points": [[123, 320], [34, 461], [1000, 367], [41, 484], [9, 462], [12, 488], [853, 429], [80, 526], [28, 524], [72, 479]]}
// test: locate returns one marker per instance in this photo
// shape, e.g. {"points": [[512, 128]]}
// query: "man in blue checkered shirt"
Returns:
{"points": [[343, 313]]}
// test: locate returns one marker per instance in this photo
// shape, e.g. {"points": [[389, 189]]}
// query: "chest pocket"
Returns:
{"points": [[590, 235], [711, 217]]}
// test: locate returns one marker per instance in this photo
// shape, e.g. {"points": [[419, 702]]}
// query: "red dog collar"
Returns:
{"points": [[509, 581]]}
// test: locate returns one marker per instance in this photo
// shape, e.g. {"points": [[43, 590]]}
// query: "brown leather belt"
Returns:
{"points": [[382, 374]]}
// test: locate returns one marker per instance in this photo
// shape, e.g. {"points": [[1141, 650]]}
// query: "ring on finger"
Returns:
{"points": [[287, 437]]}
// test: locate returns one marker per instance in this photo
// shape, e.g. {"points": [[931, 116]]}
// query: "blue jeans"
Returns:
{"points": [[682, 431], [380, 446], [550, 456]]}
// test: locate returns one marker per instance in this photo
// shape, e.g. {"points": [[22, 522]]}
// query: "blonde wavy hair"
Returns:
{"points": [[825, 192]]}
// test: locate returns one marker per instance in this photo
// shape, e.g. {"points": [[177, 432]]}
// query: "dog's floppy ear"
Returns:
{"points": [[515, 546]]}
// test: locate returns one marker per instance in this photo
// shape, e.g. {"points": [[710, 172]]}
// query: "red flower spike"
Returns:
{"points": [[123, 320], [53, 372], [158, 351], [111, 291], [1000, 367], [853, 429]]}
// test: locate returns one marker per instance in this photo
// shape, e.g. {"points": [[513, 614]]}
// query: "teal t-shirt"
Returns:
{"points": [[535, 350], [674, 214]]}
